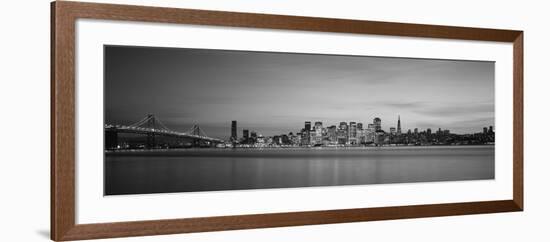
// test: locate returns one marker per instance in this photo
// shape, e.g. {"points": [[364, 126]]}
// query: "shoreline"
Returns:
{"points": [[289, 148]]}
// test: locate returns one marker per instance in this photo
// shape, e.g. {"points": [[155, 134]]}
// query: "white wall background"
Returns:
{"points": [[24, 119]]}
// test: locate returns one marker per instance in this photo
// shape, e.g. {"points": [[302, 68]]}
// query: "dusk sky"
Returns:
{"points": [[274, 93]]}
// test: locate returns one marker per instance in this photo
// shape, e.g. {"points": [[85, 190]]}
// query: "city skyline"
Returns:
{"points": [[386, 128], [274, 93], [312, 134], [235, 129]]}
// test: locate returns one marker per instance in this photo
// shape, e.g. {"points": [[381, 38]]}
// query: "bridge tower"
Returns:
{"points": [[150, 136], [196, 130], [155, 132]]}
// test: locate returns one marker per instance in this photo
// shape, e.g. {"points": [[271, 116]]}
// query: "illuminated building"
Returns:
{"points": [[352, 133], [377, 124], [233, 130]]}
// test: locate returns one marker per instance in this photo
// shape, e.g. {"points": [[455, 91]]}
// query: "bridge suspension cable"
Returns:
{"points": [[141, 122], [145, 126], [148, 120], [162, 125]]}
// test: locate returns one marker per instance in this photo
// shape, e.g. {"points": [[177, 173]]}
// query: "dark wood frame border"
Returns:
{"points": [[63, 17]]}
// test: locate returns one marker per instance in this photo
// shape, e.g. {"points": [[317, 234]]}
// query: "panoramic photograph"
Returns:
{"points": [[196, 120]]}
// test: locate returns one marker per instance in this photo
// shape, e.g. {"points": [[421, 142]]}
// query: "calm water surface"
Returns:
{"points": [[190, 170]]}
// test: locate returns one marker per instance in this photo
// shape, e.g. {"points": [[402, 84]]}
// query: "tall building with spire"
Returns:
{"points": [[398, 124]]}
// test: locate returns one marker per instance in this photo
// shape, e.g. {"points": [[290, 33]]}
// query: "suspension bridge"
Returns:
{"points": [[153, 128]]}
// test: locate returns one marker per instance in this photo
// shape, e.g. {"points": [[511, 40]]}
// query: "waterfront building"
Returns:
{"points": [[312, 138], [352, 133], [298, 140], [398, 124], [245, 134], [283, 139], [415, 131], [352, 129], [234, 130], [307, 130], [331, 134], [318, 132], [343, 133], [305, 138], [288, 139], [377, 124], [371, 127], [318, 126], [253, 137], [342, 138], [379, 137], [393, 131], [369, 135], [260, 140], [343, 125], [277, 140]]}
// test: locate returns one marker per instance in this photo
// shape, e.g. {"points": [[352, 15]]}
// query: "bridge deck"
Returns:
{"points": [[142, 130]]}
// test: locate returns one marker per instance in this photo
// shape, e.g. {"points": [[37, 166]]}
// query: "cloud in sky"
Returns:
{"points": [[275, 93]]}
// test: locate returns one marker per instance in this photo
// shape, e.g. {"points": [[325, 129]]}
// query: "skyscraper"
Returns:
{"points": [[352, 129], [318, 125], [331, 133], [344, 126], [352, 133], [342, 133], [234, 130], [398, 124], [360, 133], [307, 131], [245, 134], [377, 124], [318, 132]]}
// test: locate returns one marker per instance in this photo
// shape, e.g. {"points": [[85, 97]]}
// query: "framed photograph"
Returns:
{"points": [[172, 120]]}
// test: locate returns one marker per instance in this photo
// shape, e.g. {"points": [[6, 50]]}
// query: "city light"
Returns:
{"points": [[355, 134], [344, 134]]}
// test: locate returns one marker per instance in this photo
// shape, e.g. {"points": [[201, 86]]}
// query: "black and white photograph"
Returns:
{"points": [[196, 120]]}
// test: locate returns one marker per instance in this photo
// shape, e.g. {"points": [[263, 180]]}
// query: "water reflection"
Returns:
{"points": [[225, 169]]}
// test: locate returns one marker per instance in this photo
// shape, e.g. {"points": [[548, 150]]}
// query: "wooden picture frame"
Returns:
{"points": [[63, 17]]}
